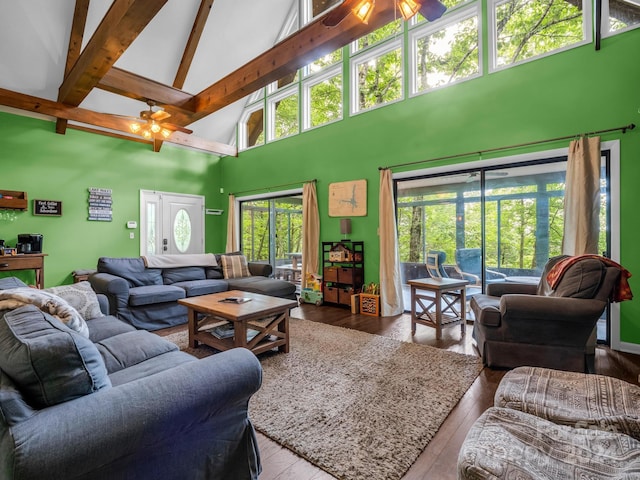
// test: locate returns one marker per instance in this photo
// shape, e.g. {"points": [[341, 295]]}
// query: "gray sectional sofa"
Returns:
{"points": [[147, 297], [122, 403]]}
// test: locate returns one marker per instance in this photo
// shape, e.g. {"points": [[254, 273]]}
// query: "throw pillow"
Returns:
{"points": [[47, 302], [81, 297], [234, 266], [47, 361]]}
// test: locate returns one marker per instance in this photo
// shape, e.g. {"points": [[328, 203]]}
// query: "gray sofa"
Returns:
{"points": [[556, 425], [147, 297], [122, 403]]}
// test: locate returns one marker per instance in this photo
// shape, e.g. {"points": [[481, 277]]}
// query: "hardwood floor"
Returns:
{"points": [[438, 460]]}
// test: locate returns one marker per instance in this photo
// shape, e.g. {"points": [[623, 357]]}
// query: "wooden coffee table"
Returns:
{"points": [[268, 315]]}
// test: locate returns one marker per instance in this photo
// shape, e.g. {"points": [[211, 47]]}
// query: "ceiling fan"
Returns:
{"points": [[151, 123]]}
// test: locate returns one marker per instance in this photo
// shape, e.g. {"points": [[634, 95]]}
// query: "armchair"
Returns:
{"points": [[435, 263], [519, 324]]}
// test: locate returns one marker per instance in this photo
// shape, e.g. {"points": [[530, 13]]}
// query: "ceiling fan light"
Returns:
{"points": [[165, 133], [146, 134], [408, 8], [155, 128], [363, 10], [134, 127]]}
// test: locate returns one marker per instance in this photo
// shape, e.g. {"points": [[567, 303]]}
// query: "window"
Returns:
{"points": [[283, 113], [182, 230], [313, 8], [323, 98], [377, 77], [619, 16], [323, 62], [383, 33], [525, 29], [444, 54], [251, 127]]}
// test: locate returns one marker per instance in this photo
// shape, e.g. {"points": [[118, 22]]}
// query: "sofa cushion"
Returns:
{"points": [[182, 274], [214, 273], [49, 362], [11, 282], [47, 302], [266, 286], [194, 288], [581, 280], [81, 297], [13, 407], [154, 294], [234, 266], [132, 270], [107, 326], [158, 364], [130, 348], [486, 309]]}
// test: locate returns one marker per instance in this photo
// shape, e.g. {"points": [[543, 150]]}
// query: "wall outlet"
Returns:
{"points": [[132, 235]]}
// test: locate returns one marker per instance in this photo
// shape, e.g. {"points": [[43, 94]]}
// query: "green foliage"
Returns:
{"points": [[326, 101], [447, 55], [528, 28], [380, 80], [286, 117]]}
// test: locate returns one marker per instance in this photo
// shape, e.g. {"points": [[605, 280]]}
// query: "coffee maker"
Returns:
{"points": [[29, 243]]}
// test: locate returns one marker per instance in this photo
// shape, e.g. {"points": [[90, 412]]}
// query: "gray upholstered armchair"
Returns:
{"points": [[517, 324]]}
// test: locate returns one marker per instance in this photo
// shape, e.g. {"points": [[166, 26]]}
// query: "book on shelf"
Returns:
{"points": [[227, 330], [235, 300]]}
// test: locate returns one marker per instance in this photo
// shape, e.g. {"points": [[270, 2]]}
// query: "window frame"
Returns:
{"points": [[312, 81], [424, 29], [587, 36], [605, 32], [364, 56], [293, 89], [243, 138]]}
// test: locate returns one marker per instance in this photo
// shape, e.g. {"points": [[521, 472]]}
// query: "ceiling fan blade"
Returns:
{"points": [[160, 115], [176, 128]]}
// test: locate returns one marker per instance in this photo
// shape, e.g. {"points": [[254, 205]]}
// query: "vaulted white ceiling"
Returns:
{"points": [[34, 39]]}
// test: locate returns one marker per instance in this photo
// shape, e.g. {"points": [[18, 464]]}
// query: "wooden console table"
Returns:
{"points": [[436, 291], [25, 261]]}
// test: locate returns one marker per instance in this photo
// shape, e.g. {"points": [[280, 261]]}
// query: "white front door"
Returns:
{"points": [[171, 223]]}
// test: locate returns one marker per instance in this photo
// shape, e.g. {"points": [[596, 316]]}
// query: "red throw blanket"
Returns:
{"points": [[621, 291]]}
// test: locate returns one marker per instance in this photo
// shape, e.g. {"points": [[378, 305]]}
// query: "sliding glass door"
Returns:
{"points": [[494, 224], [272, 233]]}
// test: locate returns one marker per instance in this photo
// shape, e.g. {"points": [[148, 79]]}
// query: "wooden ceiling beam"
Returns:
{"points": [[192, 44], [301, 48], [121, 25], [75, 47], [56, 109]]}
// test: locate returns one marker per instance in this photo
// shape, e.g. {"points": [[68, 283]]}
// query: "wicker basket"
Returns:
{"points": [[369, 304]]}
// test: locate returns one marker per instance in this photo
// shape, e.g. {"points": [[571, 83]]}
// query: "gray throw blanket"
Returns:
{"points": [[13, 298], [184, 260]]}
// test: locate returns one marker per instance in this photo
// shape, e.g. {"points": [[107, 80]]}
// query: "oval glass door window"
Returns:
{"points": [[182, 230]]}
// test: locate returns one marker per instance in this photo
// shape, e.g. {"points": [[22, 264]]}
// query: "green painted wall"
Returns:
{"points": [[580, 90], [33, 158]]}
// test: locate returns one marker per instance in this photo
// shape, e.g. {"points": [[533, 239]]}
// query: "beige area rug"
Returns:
{"points": [[357, 405]]}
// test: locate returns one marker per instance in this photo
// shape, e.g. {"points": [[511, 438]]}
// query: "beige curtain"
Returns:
{"points": [[233, 243], [582, 197], [310, 231], [391, 302]]}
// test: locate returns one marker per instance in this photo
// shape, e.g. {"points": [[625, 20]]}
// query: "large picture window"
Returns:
{"points": [[444, 54], [377, 77], [283, 113], [525, 29], [323, 98]]}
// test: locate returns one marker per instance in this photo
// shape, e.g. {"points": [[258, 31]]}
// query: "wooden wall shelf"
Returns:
{"points": [[18, 202]]}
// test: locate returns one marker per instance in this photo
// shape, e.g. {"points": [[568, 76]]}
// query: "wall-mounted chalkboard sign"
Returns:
{"points": [[47, 207]]}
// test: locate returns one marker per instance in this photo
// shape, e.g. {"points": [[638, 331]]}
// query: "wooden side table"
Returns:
{"points": [[437, 291], [25, 261]]}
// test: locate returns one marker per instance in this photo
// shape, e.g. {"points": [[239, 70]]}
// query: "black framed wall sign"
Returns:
{"points": [[49, 208]]}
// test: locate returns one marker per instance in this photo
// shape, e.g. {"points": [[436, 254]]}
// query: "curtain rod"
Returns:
{"points": [[624, 129], [275, 186]]}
